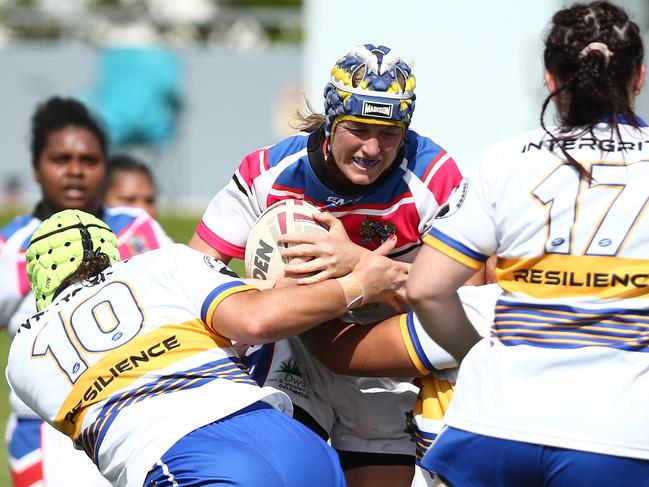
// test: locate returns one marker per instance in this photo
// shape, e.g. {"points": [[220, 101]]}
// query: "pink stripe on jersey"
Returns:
{"points": [[445, 180], [251, 166], [217, 243], [21, 269], [141, 240], [288, 189], [433, 163]]}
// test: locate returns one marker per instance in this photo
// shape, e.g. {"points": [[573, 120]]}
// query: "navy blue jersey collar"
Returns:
{"points": [[623, 120]]}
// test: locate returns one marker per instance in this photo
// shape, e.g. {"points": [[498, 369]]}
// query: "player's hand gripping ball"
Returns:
{"points": [[263, 259]]}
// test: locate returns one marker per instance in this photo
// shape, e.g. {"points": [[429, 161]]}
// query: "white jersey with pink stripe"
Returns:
{"points": [[403, 201]]}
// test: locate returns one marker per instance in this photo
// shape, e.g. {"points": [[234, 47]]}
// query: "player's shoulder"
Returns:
{"points": [[120, 217], [291, 144], [18, 232], [423, 154], [289, 147], [18, 224]]}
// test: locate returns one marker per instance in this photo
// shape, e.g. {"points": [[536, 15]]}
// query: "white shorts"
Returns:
{"points": [[360, 414]]}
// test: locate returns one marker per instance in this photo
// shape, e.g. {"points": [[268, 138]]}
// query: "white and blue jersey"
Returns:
{"points": [[437, 367], [37, 452], [567, 364], [129, 366]]}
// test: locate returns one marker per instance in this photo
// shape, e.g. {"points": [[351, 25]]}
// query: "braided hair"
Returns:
{"points": [[594, 52]]}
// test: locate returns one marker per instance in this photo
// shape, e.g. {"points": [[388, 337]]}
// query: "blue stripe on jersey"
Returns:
{"points": [[218, 290], [229, 368], [561, 326], [424, 442], [416, 343], [16, 224], [442, 237], [118, 221], [288, 146], [25, 438], [259, 362], [622, 119], [419, 152]]}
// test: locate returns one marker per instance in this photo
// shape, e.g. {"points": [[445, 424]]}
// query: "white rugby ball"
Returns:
{"points": [[263, 259]]}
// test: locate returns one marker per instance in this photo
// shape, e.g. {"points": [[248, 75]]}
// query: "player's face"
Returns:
{"points": [[132, 188], [362, 151], [70, 170]]}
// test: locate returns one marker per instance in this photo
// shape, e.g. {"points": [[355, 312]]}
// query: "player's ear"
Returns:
{"points": [[36, 173], [550, 81]]}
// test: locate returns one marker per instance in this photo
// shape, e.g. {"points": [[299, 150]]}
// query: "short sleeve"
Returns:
{"points": [[227, 221], [206, 282], [464, 228]]}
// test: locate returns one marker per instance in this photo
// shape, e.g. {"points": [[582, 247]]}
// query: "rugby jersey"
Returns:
{"points": [[136, 231], [128, 366], [567, 364], [437, 366], [402, 201]]}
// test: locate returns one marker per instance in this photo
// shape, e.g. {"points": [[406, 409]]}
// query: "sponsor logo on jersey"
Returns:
{"points": [[288, 378], [549, 277], [131, 362], [604, 145], [340, 201], [137, 245], [376, 231], [377, 109], [210, 262], [411, 426], [454, 201]]}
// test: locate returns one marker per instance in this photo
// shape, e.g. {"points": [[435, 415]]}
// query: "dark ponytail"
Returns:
{"points": [[594, 52]]}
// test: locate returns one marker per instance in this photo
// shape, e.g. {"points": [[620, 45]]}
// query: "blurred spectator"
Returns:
{"points": [[11, 194], [130, 182]]}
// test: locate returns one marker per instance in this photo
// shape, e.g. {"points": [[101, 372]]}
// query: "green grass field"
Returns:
{"points": [[180, 229]]}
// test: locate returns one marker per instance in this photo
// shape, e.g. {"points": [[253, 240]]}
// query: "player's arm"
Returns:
{"points": [[368, 351], [197, 243], [256, 317], [437, 303]]}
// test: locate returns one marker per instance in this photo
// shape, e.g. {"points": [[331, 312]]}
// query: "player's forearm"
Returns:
{"points": [[368, 351], [274, 314], [436, 302]]}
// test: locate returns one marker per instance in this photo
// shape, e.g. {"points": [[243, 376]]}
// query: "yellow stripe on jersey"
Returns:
{"points": [[117, 369], [220, 297], [434, 397], [407, 340], [452, 252], [560, 276]]}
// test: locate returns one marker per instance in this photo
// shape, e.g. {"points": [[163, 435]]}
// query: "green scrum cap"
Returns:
{"points": [[58, 247]]}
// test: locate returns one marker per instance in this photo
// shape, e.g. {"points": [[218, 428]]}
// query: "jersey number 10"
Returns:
{"points": [[103, 322]]}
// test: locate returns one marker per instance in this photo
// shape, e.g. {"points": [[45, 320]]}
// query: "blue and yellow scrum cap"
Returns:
{"points": [[370, 84], [59, 246]]}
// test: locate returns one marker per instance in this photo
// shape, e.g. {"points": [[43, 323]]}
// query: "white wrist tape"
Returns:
{"points": [[353, 290]]}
